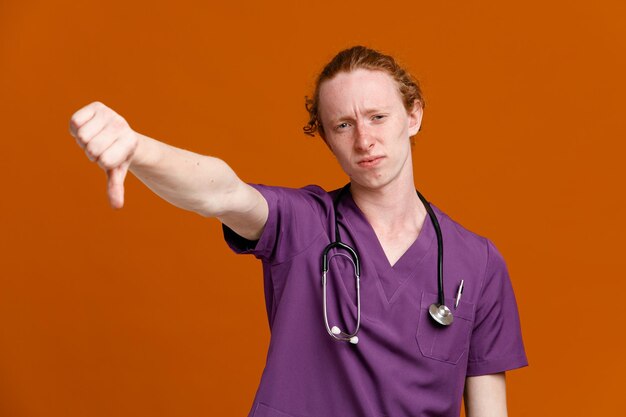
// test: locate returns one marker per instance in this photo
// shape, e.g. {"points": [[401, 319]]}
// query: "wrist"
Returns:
{"points": [[140, 157]]}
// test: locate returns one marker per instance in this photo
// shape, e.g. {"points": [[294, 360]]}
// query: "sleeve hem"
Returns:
{"points": [[496, 365], [260, 248]]}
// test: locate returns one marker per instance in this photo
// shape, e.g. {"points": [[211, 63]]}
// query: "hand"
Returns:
{"points": [[108, 140]]}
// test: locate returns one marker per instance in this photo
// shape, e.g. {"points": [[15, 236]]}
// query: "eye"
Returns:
{"points": [[342, 126], [378, 116]]}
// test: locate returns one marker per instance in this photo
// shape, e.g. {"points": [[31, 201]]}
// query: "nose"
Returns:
{"points": [[363, 140]]}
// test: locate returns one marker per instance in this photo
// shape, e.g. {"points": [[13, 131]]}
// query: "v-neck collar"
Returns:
{"points": [[373, 256]]}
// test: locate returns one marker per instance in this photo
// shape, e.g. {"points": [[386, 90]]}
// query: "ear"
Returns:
{"points": [[415, 118]]}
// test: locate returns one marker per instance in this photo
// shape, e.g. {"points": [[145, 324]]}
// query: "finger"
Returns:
{"points": [[83, 115], [94, 126], [100, 143], [115, 155], [115, 185]]}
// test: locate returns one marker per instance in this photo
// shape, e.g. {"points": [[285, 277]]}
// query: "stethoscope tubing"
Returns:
{"points": [[435, 222], [341, 335], [439, 312]]}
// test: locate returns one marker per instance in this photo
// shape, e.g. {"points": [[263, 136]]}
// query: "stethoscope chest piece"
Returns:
{"points": [[441, 314]]}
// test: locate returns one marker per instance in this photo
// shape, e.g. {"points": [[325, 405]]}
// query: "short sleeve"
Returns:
{"points": [[294, 221], [496, 343]]}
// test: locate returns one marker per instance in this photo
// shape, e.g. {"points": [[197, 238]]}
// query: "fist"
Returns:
{"points": [[108, 140]]}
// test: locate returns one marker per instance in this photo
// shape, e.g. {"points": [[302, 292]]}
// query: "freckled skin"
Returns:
{"points": [[363, 117]]}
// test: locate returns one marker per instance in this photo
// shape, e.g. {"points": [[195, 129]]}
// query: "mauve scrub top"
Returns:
{"points": [[404, 363]]}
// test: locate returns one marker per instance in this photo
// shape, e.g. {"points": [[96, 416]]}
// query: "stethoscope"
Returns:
{"points": [[438, 311]]}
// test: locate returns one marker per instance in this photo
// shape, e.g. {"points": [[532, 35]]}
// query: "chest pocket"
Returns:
{"points": [[444, 343]]}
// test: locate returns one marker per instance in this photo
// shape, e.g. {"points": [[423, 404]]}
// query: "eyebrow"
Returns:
{"points": [[370, 111]]}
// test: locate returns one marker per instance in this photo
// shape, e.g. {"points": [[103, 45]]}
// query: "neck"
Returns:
{"points": [[393, 207]]}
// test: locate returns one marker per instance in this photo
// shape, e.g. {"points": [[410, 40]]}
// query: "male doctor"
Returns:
{"points": [[365, 108]]}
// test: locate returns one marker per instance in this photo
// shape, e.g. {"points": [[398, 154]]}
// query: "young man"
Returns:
{"points": [[327, 356]]}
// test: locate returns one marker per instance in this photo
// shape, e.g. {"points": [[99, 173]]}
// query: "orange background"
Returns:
{"points": [[145, 312]]}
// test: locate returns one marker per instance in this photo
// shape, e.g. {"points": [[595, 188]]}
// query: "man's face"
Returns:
{"points": [[367, 127]]}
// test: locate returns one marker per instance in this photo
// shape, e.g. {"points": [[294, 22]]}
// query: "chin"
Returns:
{"points": [[370, 183]]}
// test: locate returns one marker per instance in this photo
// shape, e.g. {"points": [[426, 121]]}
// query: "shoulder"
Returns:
{"points": [[472, 252], [308, 190], [312, 195], [296, 217], [460, 235], [309, 206], [469, 247]]}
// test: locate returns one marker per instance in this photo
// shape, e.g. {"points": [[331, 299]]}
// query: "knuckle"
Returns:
{"points": [[103, 112], [74, 124], [106, 163], [81, 135], [110, 158], [118, 122], [129, 146], [79, 143], [91, 152], [98, 106]]}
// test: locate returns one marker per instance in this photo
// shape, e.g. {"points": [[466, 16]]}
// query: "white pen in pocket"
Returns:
{"points": [[458, 294]]}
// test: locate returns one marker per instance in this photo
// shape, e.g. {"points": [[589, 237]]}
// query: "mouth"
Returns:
{"points": [[370, 161]]}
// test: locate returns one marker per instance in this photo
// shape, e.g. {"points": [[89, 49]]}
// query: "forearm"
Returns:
{"points": [[485, 396], [185, 179]]}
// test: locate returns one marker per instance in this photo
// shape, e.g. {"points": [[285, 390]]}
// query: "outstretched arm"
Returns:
{"points": [[187, 180], [485, 396]]}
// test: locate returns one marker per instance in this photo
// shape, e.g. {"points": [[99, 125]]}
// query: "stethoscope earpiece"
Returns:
{"points": [[441, 314], [344, 336]]}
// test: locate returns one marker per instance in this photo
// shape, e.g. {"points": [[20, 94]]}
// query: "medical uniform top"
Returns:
{"points": [[404, 364]]}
